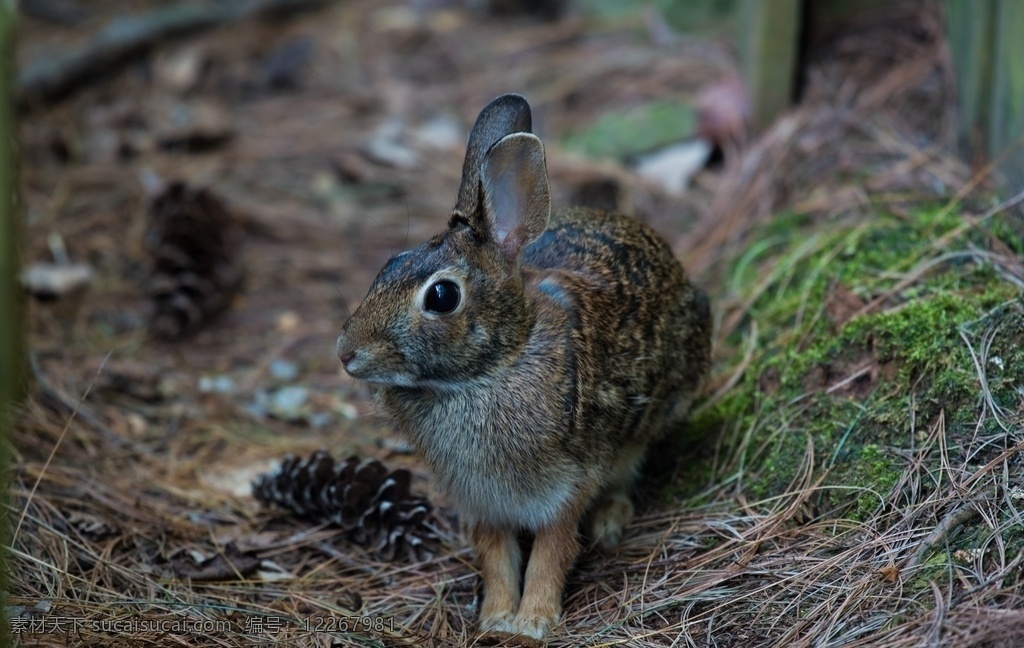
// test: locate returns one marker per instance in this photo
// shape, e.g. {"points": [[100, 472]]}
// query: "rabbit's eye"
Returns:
{"points": [[442, 297]]}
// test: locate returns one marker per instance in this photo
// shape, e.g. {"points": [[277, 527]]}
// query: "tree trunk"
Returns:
{"points": [[12, 335]]}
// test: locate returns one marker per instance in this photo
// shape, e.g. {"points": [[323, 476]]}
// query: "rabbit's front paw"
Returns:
{"points": [[534, 626], [503, 630], [501, 622], [608, 520]]}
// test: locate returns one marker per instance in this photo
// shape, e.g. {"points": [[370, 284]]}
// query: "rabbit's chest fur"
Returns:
{"points": [[483, 440]]}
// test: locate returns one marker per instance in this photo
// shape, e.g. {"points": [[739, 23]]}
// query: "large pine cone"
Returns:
{"points": [[372, 505], [194, 244]]}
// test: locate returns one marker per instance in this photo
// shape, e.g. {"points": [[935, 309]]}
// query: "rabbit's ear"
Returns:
{"points": [[516, 198], [507, 114]]}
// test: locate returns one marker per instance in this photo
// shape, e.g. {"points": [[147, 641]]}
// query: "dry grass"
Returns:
{"points": [[131, 510]]}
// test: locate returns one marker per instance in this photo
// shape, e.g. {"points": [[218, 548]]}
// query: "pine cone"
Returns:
{"points": [[373, 506], [196, 271]]}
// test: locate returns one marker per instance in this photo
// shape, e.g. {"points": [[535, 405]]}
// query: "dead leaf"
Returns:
{"points": [[723, 112], [671, 168], [230, 564], [181, 70], [769, 381], [49, 281], [842, 304], [91, 526], [193, 125], [890, 573], [144, 381]]}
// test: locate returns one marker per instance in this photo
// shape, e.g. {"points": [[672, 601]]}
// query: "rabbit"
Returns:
{"points": [[530, 359]]}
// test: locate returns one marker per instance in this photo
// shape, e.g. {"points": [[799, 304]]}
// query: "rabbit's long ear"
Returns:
{"points": [[507, 114], [516, 197]]}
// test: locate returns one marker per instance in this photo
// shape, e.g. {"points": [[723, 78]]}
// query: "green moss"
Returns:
{"points": [[862, 331], [1008, 227], [873, 471]]}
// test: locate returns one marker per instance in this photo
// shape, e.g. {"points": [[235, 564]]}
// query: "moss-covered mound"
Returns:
{"points": [[872, 348]]}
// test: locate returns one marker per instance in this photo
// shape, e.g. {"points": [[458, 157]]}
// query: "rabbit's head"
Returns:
{"points": [[454, 310]]}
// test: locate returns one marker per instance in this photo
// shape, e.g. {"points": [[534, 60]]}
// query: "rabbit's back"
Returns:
{"points": [[607, 247], [642, 334]]}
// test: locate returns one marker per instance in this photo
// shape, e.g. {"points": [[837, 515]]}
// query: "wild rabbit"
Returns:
{"points": [[531, 364]]}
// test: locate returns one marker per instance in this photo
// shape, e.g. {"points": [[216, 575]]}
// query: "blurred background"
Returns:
{"points": [[207, 189]]}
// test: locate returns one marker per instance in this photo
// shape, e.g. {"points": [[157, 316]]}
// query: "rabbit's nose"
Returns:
{"points": [[346, 350]]}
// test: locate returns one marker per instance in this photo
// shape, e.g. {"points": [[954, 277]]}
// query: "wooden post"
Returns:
{"points": [[768, 42], [12, 346], [970, 31], [985, 38], [12, 349], [770, 36], [1007, 126]]}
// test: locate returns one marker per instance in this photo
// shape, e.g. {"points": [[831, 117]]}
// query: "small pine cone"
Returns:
{"points": [[193, 241], [374, 507]]}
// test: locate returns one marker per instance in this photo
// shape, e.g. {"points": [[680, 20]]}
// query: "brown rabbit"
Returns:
{"points": [[531, 363]]}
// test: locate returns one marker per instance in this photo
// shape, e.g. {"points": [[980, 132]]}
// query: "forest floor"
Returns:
{"points": [[852, 477]]}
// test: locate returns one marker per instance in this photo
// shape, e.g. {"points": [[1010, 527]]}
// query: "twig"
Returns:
{"points": [[53, 452], [77, 408], [955, 518]]}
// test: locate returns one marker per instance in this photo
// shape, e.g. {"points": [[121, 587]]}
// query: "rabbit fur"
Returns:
{"points": [[576, 339]]}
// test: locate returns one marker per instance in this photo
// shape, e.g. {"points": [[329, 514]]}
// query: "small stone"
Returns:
{"points": [[288, 403], [288, 321], [283, 370], [136, 424], [320, 419], [216, 385]]}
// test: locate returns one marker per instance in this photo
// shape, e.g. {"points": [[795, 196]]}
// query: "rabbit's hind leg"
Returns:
{"points": [[614, 509], [610, 518]]}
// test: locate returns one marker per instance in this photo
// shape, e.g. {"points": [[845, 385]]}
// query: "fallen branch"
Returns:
{"points": [[55, 74]]}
